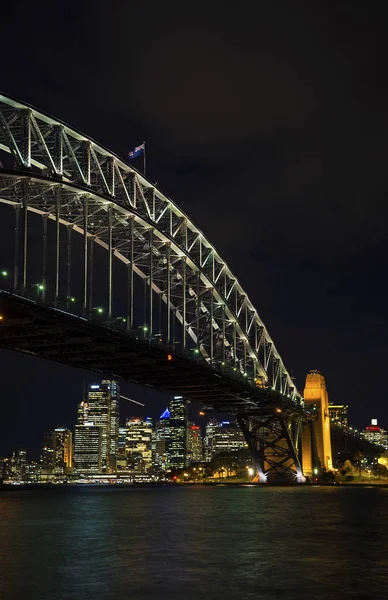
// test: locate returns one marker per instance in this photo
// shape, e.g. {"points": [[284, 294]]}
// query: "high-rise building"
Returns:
{"points": [[338, 414], [18, 464], [177, 451], [375, 434], [87, 449], [161, 439], [138, 444], [194, 444], [102, 409], [121, 462], [225, 436], [57, 451]]}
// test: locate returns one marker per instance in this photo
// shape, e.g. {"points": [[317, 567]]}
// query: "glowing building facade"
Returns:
{"points": [[194, 444], [177, 451], [139, 444], [87, 449], [161, 441], [102, 409]]}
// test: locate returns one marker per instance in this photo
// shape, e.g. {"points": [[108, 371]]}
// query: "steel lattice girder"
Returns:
{"points": [[218, 315], [274, 440]]}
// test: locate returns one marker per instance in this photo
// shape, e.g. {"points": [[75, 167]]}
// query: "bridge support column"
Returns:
{"points": [[316, 441], [273, 441]]}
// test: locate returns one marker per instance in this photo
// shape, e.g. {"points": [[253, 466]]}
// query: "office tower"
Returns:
{"points": [[121, 462], [18, 464], [161, 439], [177, 452], [87, 449], [138, 444], [47, 457], [338, 414], [102, 409], [63, 450], [57, 451], [208, 441], [375, 434], [224, 436], [194, 444]]}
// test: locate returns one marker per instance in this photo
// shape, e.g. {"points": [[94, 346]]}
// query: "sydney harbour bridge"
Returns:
{"points": [[107, 273]]}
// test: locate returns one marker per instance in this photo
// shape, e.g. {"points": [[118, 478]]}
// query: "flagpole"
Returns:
{"points": [[144, 161]]}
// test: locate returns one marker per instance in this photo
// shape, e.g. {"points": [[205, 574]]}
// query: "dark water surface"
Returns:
{"points": [[194, 542]]}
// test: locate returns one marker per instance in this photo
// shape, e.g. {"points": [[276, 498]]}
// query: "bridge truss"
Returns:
{"points": [[159, 279]]}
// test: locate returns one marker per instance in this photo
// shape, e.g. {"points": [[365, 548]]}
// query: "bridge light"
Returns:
{"points": [[145, 328], [196, 351], [4, 273], [222, 364], [245, 374], [40, 286], [169, 356], [72, 299], [124, 319], [100, 310]]}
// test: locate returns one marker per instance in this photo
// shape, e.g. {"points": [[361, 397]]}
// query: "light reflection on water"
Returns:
{"points": [[194, 542]]}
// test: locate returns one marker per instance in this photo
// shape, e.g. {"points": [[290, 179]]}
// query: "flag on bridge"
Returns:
{"points": [[138, 151]]}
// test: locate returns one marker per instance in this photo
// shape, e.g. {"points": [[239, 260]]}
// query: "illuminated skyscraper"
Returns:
{"points": [[57, 452], [177, 451], [102, 409], [87, 449], [194, 444], [161, 442], [18, 464], [121, 462], [223, 437], [138, 444]]}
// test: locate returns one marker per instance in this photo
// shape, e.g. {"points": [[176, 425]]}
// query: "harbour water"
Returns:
{"points": [[173, 542]]}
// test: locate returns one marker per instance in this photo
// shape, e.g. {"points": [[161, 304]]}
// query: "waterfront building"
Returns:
{"points": [[18, 465], [375, 434], [102, 409], [177, 451], [57, 452], [194, 444], [139, 444], [121, 462], [338, 414], [224, 436], [87, 449], [161, 440]]}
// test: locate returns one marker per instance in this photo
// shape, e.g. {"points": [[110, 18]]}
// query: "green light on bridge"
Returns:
{"points": [[4, 273], [100, 310]]}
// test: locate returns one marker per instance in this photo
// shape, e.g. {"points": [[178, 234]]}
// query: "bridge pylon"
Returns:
{"points": [[274, 441], [316, 441]]}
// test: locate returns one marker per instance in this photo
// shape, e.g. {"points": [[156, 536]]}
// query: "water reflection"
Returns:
{"points": [[194, 542]]}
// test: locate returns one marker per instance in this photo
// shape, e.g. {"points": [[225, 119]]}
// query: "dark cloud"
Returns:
{"points": [[267, 123]]}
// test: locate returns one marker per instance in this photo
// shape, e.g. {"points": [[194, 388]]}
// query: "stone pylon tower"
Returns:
{"points": [[316, 442]]}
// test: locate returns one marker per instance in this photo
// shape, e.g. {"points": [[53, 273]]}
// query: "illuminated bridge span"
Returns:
{"points": [[108, 274]]}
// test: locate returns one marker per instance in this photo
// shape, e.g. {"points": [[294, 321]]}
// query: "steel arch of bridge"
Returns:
{"points": [[66, 177]]}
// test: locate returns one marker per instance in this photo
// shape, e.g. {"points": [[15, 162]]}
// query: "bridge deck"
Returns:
{"points": [[29, 327]]}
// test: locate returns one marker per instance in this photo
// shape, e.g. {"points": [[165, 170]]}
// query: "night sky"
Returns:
{"points": [[267, 123]]}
